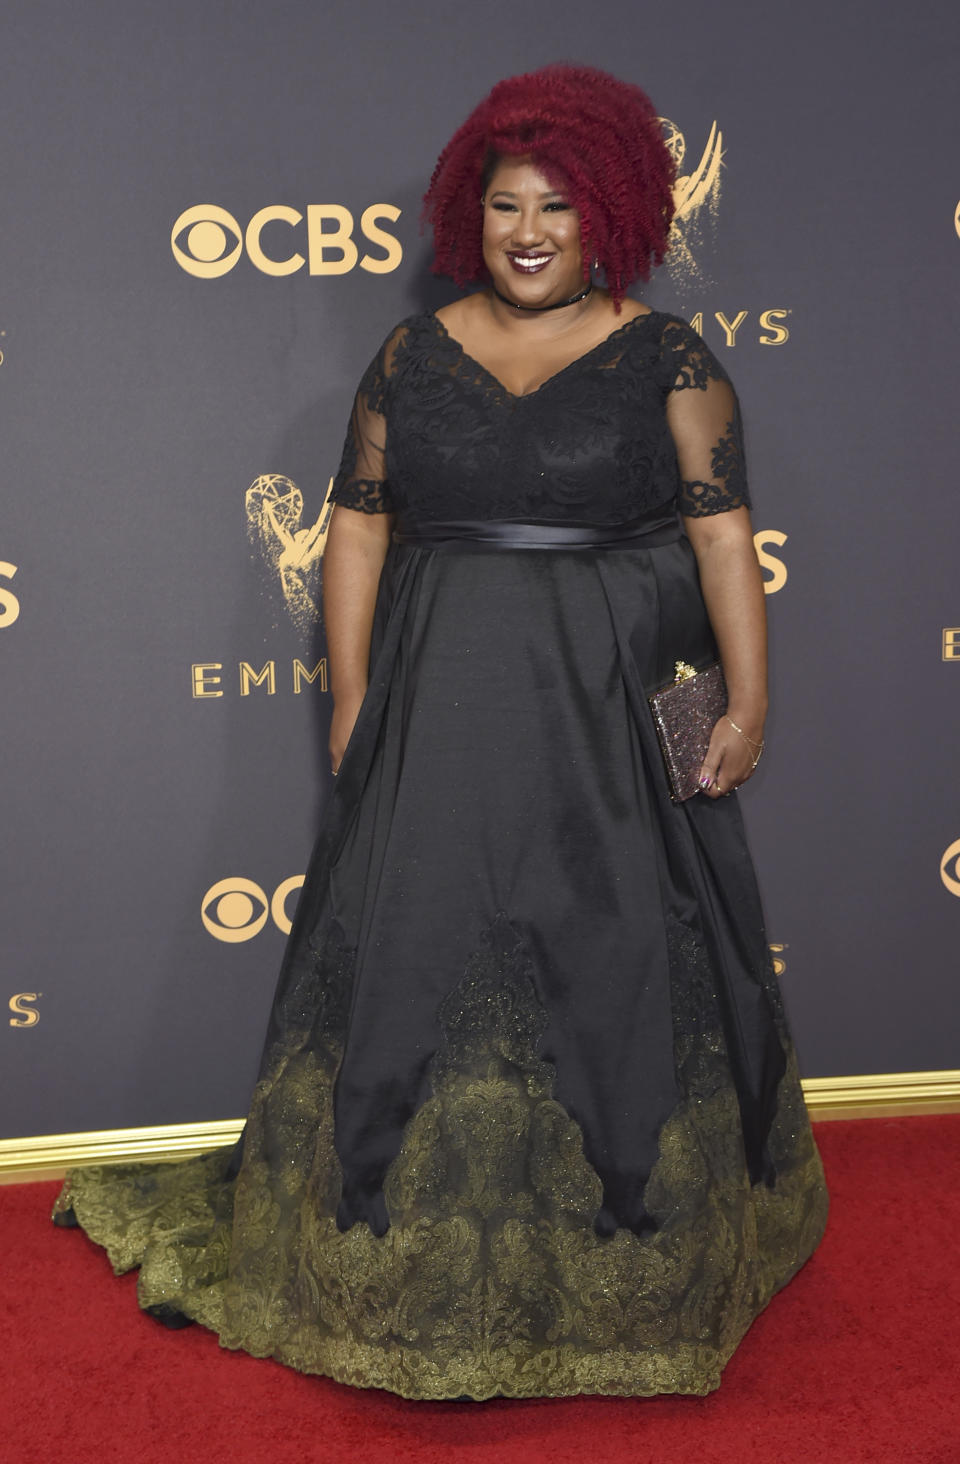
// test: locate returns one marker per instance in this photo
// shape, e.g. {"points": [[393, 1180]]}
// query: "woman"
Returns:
{"points": [[529, 1120]]}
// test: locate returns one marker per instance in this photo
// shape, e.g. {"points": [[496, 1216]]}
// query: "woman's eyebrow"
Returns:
{"points": [[506, 193]]}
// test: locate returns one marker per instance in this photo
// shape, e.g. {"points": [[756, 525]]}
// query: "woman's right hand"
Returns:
{"points": [[342, 722], [357, 546]]}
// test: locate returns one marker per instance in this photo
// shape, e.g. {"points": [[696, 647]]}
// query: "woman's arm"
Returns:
{"points": [[353, 558], [704, 419], [356, 547], [736, 604]]}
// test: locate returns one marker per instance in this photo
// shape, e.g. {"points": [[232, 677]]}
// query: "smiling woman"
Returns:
{"points": [[596, 139], [533, 256], [529, 1120], [531, 232]]}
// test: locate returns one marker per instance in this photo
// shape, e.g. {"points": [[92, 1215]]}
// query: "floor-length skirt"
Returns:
{"points": [[528, 1120]]}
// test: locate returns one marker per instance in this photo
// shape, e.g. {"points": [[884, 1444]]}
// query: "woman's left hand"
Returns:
{"points": [[730, 758]]}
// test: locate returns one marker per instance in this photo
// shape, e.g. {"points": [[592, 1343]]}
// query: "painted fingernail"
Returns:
{"points": [[705, 781]]}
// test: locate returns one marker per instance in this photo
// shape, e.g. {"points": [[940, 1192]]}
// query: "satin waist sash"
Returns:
{"points": [[642, 533]]}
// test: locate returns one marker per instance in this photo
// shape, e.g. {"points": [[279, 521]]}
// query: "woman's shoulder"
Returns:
{"points": [[664, 326], [410, 325], [684, 356], [395, 345], [458, 314]]}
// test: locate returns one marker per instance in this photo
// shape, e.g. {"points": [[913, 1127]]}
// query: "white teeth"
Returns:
{"points": [[534, 263]]}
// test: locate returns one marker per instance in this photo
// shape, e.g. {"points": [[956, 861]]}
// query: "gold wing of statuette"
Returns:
{"points": [[695, 188], [307, 544]]}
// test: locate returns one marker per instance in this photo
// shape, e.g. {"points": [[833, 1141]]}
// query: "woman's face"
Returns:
{"points": [[531, 236]]}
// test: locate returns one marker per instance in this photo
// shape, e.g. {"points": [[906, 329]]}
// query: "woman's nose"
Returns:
{"points": [[529, 228]]}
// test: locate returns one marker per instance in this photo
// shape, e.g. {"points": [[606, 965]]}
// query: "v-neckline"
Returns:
{"points": [[522, 396]]}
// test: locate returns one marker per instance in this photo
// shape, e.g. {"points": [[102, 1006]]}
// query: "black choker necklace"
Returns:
{"points": [[558, 306]]}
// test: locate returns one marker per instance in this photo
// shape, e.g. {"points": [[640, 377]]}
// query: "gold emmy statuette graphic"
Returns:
{"points": [[290, 550], [229, 908], [25, 1013], [9, 604], [696, 196], [950, 868]]}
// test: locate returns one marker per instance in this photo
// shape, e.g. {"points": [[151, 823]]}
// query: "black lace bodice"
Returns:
{"points": [[646, 419]]}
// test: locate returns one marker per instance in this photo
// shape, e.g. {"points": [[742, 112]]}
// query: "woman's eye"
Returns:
{"points": [[557, 207], [502, 207]]}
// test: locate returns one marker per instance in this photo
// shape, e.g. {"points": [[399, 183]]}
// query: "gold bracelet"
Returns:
{"points": [[761, 744]]}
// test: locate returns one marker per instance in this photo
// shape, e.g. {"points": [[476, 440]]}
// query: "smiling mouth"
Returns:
{"points": [[529, 263]]}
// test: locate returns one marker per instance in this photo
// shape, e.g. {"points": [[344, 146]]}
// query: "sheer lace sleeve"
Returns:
{"points": [[704, 418], [361, 479]]}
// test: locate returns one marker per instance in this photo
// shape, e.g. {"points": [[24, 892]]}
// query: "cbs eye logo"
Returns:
{"points": [[236, 909], [207, 241], [950, 868]]}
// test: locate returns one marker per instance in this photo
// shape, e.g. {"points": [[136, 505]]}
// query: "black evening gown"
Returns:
{"points": [[528, 1120]]}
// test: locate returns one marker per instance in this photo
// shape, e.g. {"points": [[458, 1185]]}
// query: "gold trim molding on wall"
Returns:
{"points": [[49, 1156], [883, 1095]]}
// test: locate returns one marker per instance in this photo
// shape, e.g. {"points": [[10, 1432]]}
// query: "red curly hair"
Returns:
{"points": [[596, 137]]}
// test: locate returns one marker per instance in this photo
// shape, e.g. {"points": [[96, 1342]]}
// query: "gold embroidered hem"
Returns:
{"points": [[491, 1278]]}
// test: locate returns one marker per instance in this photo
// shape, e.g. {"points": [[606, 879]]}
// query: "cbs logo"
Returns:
{"points": [[237, 909], [25, 1013], [9, 604], [950, 868], [775, 571], [207, 241]]}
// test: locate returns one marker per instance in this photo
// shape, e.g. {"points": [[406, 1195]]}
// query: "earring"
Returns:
{"points": [[596, 263]]}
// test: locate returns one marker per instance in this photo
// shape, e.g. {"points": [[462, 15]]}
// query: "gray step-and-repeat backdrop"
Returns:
{"points": [[209, 222]]}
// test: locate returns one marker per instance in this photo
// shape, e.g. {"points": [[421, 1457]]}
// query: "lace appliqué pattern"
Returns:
{"points": [[366, 495], [490, 1278], [360, 481], [434, 435], [689, 365], [727, 487]]}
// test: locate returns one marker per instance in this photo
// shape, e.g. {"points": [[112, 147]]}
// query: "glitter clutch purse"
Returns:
{"points": [[685, 712]]}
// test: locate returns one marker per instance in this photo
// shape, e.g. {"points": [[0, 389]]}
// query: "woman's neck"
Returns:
{"points": [[539, 309]]}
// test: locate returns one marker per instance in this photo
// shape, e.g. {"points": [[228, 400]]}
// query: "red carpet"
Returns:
{"points": [[856, 1362]]}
